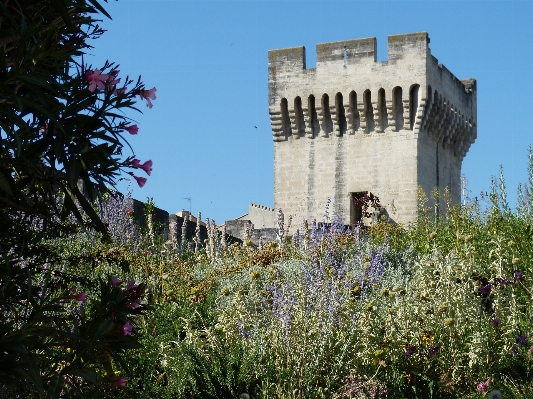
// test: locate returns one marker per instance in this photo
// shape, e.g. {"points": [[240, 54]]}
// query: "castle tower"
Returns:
{"points": [[352, 125]]}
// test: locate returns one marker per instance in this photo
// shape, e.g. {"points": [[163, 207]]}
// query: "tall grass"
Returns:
{"points": [[439, 309]]}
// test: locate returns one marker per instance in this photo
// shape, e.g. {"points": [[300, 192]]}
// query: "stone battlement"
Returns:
{"points": [[262, 207], [354, 124]]}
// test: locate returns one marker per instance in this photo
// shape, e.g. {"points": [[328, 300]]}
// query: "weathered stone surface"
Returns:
{"points": [[353, 124]]}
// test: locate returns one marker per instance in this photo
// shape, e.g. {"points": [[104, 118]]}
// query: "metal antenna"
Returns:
{"points": [[190, 203]]}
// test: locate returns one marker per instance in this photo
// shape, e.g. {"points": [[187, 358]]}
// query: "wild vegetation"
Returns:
{"points": [[92, 305], [441, 309]]}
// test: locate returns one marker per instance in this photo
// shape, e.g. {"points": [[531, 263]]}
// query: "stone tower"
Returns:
{"points": [[352, 125]]}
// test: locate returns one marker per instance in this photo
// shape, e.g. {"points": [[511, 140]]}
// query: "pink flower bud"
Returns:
{"points": [[126, 329], [133, 129], [120, 382], [147, 167], [141, 181], [82, 297]]}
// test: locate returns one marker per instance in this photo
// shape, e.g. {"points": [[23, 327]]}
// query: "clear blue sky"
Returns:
{"points": [[208, 61]]}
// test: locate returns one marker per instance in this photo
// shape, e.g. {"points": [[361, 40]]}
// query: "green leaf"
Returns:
{"points": [[5, 184], [100, 8], [105, 327]]}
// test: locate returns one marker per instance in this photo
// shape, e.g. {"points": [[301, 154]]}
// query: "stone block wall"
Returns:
{"points": [[353, 124]]}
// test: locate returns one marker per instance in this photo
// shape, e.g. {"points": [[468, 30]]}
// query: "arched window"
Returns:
{"points": [[299, 116], [413, 104], [341, 117], [382, 107], [327, 125], [354, 112], [285, 120], [313, 117], [397, 107], [369, 111]]}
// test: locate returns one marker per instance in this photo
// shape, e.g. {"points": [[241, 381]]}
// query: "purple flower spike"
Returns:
{"points": [[495, 323], [518, 275], [485, 290], [521, 340], [410, 350], [433, 351]]}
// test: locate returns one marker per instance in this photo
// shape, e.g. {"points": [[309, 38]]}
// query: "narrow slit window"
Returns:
{"points": [[354, 112], [369, 111], [285, 120], [313, 116], [413, 104], [327, 125], [341, 117], [299, 115], [397, 107], [382, 105]]}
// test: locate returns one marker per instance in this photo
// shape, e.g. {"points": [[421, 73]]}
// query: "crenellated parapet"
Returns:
{"points": [[354, 125], [349, 93]]}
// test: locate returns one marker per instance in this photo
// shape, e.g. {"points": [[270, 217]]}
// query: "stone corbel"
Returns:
{"points": [[295, 129], [428, 116], [308, 123], [362, 116], [348, 112], [419, 116], [377, 118], [335, 120], [391, 121], [277, 125], [406, 119], [321, 121]]}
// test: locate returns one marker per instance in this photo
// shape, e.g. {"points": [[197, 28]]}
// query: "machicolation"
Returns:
{"points": [[353, 124]]}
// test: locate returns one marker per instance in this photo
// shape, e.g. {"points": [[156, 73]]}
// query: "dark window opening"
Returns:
{"points": [[356, 122], [341, 117], [327, 125], [315, 127], [382, 106], [413, 105], [285, 120], [369, 111], [299, 115], [363, 204], [397, 108]]}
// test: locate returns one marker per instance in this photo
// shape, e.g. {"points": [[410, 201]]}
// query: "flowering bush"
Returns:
{"points": [[438, 310], [63, 331]]}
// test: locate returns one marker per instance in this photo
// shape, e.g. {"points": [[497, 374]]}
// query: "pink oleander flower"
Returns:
{"points": [[141, 181], [126, 328], [119, 382], [482, 386], [96, 79], [148, 95], [135, 163], [133, 129], [135, 304], [121, 91], [112, 83], [82, 297], [115, 281], [147, 167]]}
